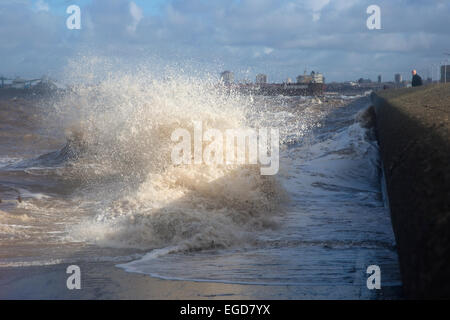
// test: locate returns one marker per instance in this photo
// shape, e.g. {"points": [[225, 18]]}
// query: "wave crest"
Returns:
{"points": [[122, 128]]}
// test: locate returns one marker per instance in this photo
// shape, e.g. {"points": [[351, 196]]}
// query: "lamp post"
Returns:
{"points": [[445, 67], [437, 67], [432, 72]]}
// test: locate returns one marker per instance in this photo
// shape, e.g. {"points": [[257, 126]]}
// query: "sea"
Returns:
{"points": [[86, 175]]}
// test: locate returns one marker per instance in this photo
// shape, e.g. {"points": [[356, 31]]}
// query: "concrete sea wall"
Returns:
{"points": [[413, 131]]}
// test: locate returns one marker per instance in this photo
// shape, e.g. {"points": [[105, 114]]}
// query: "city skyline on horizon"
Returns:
{"points": [[250, 80]]}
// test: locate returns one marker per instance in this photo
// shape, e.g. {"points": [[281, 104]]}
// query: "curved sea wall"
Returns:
{"points": [[413, 132]]}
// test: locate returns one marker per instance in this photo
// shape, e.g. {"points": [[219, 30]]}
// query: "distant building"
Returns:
{"points": [[398, 78], [445, 73], [288, 80], [18, 83], [303, 79], [379, 78], [261, 78], [2, 81], [312, 78], [317, 77], [227, 77], [361, 80], [46, 85]]}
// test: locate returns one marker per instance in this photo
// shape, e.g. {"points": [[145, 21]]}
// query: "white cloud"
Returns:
{"points": [[41, 5], [136, 14], [268, 50], [259, 52], [316, 16], [316, 6]]}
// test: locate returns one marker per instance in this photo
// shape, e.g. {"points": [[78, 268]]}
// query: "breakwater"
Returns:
{"points": [[413, 133]]}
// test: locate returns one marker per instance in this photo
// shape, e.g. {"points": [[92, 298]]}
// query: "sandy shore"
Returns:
{"points": [[105, 281]]}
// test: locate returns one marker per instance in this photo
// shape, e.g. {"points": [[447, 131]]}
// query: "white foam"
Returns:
{"points": [[6, 161], [125, 124]]}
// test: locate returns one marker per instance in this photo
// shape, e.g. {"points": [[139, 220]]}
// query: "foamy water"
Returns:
{"points": [[111, 193]]}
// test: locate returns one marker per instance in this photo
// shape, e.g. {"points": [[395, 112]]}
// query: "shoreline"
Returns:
{"points": [[101, 281]]}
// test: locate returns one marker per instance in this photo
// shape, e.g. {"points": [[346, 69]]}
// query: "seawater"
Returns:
{"points": [[92, 168]]}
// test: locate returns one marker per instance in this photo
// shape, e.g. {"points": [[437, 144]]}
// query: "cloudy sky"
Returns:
{"points": [[277, 37]]}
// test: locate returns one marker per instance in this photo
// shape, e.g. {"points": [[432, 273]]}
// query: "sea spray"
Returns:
{"points": [[113, 188], [106, 192], [121, 126]]}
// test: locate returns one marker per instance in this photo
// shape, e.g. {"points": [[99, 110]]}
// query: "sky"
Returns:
{"points": [[280, 38]]}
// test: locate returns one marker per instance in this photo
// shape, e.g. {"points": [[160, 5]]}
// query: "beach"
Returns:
{"points": [[104, 281]]}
